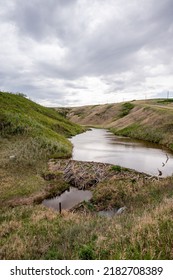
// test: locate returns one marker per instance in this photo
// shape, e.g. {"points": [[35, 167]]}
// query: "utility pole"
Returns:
{"points": [[168, 94]]}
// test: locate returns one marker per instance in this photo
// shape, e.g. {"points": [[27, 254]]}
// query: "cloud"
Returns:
{"points": [[82, 51]]}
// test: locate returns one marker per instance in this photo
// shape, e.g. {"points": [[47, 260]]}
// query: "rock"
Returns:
{"points": [[121, 210], [12, 157]]}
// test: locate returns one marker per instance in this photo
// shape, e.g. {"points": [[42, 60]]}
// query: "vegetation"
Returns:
{"points": [[20, 115], [40, 131], [30, 135], [167, 101], [126, 108], [116, 168], [144, 231], [137, 131]]}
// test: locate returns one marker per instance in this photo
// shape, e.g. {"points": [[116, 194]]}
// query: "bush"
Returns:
{"points": [[86, 253], [125, 109], [116, 168]]}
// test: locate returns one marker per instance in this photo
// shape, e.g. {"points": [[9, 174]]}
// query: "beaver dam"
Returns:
{"points": [[83, 178]]}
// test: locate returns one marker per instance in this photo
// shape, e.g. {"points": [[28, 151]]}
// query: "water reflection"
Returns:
{"points": [[68, 199], [101, 145]]}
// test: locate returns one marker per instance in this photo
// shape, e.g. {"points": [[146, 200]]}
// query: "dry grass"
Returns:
{"points": [[43, 215], [43, 234], [19, 181], [99, 115], [8, 227]]}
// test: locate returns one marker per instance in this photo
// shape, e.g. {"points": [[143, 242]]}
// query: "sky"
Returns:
{"points": [[80, 52]]}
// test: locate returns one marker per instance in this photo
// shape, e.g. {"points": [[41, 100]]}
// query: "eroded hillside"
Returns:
{"points": [[150, 120]]}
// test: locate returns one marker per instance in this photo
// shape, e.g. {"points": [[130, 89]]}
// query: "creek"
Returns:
{"points": [[101, 145]]}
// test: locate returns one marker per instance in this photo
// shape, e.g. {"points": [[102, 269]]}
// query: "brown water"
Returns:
{"points": [[101, 145], [68, 199]]}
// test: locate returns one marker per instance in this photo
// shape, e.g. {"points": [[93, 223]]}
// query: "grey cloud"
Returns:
{"points": [[73, 86], [100, 39], [108, 50], [40, 19], [163, 94], [55, 71]]}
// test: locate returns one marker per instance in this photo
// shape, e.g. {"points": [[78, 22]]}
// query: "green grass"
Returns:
{"points": [[22, 116], [41, 129], [30, 134], [117, 168], [138, 131], [165, 101], [125, 109]]}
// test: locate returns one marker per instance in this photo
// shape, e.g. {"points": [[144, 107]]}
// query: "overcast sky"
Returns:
{"points": [[77, 52]]}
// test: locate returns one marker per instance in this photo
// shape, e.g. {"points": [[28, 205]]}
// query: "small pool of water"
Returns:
{"points": [[68, 199]]}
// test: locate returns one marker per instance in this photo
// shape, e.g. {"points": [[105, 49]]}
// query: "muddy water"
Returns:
{"points": [[101, 145], [68, 199]]}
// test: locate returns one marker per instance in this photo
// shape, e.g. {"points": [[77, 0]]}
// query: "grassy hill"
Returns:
{"points": [[35, 125], [150, 120], [30, 134]]}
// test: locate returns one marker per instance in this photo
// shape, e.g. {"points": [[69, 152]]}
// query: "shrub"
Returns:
{"points": [[116, 168], [86, 253], [125, 109]]}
